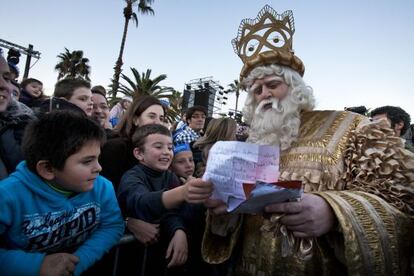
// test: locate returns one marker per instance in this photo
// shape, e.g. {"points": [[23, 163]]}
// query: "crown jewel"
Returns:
{"points": [[267, 39]]}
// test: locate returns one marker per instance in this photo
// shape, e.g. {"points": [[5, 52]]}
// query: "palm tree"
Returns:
{"points": [[143, 8], [73, 65], [143, 84], [235, 87], [174, 111]]}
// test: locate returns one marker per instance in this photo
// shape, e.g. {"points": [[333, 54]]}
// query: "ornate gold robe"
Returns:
{"points": [[362, 170]]}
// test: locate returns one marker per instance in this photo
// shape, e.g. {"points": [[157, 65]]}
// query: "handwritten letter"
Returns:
{"points": [[230, 164]]}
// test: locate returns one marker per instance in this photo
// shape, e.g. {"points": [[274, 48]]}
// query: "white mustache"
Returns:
{"points": [[276, 106]]}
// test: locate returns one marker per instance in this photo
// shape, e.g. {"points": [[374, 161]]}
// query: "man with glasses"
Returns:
{"points": [[100, 108]]}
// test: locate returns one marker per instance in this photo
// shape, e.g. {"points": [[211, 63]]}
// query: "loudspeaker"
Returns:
{"points": [[186, 99], [202, 98]]}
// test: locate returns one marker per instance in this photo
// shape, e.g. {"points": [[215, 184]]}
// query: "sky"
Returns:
{"points": [[355, 52]]}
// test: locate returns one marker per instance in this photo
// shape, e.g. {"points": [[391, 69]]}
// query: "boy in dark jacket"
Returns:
{"points": [[150, 192]]}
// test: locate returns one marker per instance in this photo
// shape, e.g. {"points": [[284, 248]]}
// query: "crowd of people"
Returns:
{"points": [[77, 175]]}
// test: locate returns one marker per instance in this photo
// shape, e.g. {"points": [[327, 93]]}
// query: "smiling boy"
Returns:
{"points": [[57, 215], [151, 193]]}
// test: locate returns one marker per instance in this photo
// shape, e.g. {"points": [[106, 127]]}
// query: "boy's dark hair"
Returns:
{"points": [[57, 135], [140, 135], [192, 110], [24, 83], [395, 114], [65, 87]]}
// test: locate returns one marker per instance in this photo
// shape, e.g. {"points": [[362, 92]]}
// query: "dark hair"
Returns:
{"points": [[29, 80], [58, 135], [126, 126], [193, 110], [99, 89], [65, 87], [140, 135], [395, 114], [357, 109]]}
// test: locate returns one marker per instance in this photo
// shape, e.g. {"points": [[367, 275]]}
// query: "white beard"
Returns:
{"points": [[278, 125]]}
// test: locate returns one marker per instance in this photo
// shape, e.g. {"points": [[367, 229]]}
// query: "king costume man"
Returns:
{"points": [[356, 215]]}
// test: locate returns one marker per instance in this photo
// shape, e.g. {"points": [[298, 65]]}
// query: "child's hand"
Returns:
{"points": [[58, 264], [197, 191], [145, 232], [178, 248]]}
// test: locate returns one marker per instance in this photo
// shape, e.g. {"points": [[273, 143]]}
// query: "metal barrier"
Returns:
{"points": [[126, 238]]}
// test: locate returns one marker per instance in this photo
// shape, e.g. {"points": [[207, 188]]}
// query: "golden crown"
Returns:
{"points": [[267, 39]]}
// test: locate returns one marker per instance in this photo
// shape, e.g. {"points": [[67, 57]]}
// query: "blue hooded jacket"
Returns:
{"points": [[36, 220]]}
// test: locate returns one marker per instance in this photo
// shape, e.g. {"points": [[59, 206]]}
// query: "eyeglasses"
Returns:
{"points": [[198, 117]]}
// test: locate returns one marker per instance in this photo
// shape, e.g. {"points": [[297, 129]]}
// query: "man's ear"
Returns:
{"points": [[45, 170], [138, 154]]}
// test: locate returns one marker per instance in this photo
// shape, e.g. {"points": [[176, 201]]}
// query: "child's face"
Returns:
{"points": [[35, 89], [82, 97], [80, 170], [183, 164], [157, 153]]}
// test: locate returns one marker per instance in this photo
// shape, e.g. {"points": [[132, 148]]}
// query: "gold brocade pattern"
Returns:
{"points": [[375, 234], [262, 254], [316, 157]]}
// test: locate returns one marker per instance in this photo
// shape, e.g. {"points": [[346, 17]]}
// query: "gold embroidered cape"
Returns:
{"points": [[362, 170]]}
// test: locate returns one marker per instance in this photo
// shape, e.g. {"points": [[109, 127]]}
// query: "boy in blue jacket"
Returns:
{"points": [[57, 215]]}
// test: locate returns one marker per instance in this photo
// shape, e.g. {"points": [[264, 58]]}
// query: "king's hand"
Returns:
{"points": [[308, 218]]}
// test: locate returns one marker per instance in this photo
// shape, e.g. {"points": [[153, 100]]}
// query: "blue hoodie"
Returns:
{"points": [[36, 220]]}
